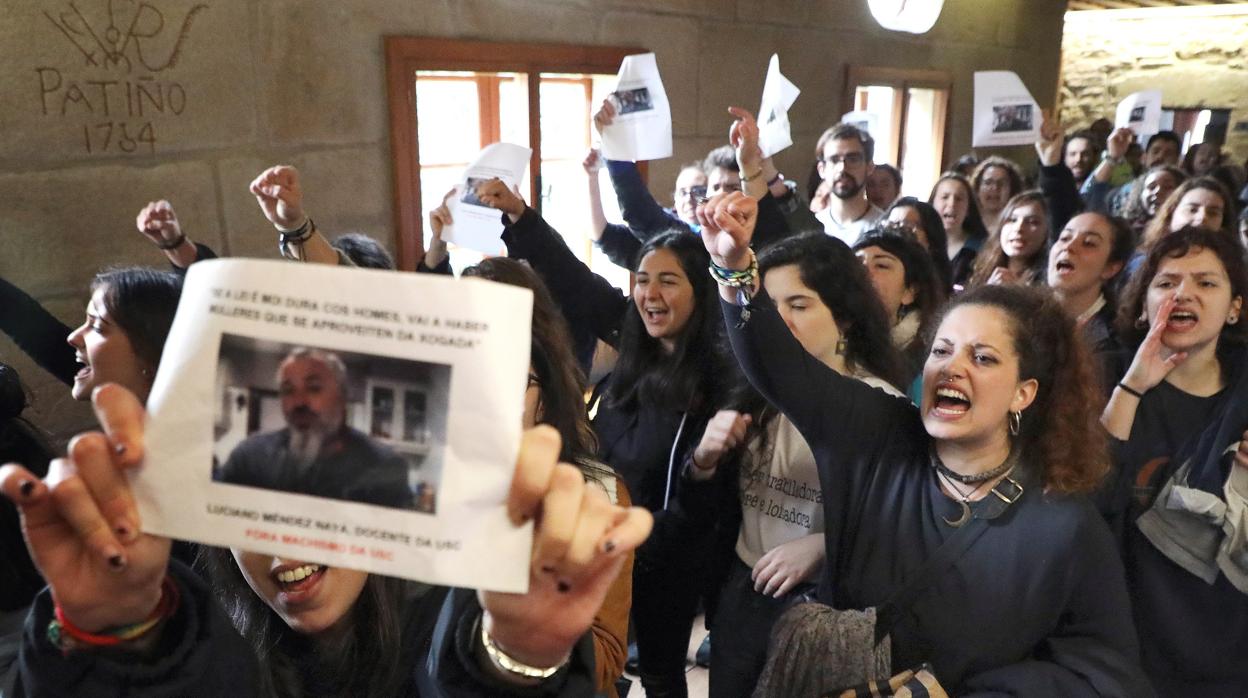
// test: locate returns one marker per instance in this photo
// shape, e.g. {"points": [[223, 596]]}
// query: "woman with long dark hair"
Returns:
{"points": [[649, 412], [1004, 443], [1176, 415], [1015, 253], [829, 305], [955, 201]]}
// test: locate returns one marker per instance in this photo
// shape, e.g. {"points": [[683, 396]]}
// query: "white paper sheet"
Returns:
{"points": [[475, 226], [642, 128], [1005, 112], [1140, 112], [413, 486], [779, 94], [863, 120]]}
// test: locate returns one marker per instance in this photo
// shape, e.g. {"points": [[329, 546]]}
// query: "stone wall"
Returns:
{"points": [[190, 99], [1195, 60]]}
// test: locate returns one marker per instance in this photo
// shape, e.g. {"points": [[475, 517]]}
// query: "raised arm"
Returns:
{"points": [[159, 223], [37, 332], [763, 182], [818, 400], [279, 192], [645, 217], [1057, 182], [587, 300]]}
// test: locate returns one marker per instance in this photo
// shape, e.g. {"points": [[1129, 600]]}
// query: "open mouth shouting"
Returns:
{"points": [[655, 315], [84, 373], [950, 403], [1182, 320]]}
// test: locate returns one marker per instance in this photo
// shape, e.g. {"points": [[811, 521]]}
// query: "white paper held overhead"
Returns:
{"points": [[1005, 111], [779, 94], [1140, 112], [642, 129]]}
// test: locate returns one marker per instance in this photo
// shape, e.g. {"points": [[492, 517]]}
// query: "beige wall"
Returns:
{"points": [[1195, 60], [229, 86]]}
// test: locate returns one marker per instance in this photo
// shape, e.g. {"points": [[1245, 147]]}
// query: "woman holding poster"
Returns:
{"points": [[121, 617]]}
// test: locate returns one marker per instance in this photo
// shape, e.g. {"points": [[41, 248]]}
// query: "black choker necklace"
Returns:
{"points": [[975, 478]]}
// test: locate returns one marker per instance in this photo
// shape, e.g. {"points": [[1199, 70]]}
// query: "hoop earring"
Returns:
{"points": [[1232, 320], [1016, 422]]}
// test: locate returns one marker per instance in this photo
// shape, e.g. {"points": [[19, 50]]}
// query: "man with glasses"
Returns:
{"points": [[845, 161]]}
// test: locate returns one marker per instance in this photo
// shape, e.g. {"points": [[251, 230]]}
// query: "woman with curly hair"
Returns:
{"points": [[1015, 253], [1173, 415], [1006, 432]]}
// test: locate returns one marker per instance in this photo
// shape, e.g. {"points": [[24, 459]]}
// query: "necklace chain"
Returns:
{"points": [[973, 478]]}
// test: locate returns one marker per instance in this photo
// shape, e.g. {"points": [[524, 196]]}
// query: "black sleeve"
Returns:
{"points": [[772, 225], [1061, 196], [588, 301], [453, 665], [842, 417], [645, 217], [619, 244], [444, 267], [37, 332], [202, 252], [199, 654]]}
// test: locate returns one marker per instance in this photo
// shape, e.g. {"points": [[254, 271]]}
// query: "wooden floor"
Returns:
{"points": [[698, 677]]}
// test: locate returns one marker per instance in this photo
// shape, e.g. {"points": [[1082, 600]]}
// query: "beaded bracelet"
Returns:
{"points": [[736, 278], [64, 634]]}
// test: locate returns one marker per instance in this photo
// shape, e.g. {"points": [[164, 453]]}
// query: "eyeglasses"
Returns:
{"points": [[846, 159], [695, 192]]}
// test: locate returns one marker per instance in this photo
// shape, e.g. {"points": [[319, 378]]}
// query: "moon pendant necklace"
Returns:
{"points": [[964, 503]]}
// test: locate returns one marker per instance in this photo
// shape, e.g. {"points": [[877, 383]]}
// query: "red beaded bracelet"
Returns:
{"points": [[61, 629]]}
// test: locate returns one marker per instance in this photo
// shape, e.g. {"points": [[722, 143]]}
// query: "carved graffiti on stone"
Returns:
{"points": [[123, 79]]}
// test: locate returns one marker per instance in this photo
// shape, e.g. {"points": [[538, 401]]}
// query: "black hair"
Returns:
{"points": [[973, 224], [142, 301], [829, 268], [892, 172], [723, 157], [20, 442], [365, 660], [920, 276], [846, 132], [1165, 136], [363, 250], [937, 242], [682, 378]]}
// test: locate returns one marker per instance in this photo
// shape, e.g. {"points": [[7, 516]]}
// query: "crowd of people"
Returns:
{"points": [[987, 443]]}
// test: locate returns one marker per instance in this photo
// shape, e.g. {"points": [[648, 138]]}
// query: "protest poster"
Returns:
{"points": [[343, 417], [1140, 112], [779, 94], [475, 225], [642, 128], [1005, 112]]}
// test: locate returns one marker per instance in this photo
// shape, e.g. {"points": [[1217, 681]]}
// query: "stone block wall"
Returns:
{"points": [[1196, 61], [190, 99]]}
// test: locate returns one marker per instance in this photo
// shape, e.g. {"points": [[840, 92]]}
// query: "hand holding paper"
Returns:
{"points": [[639, 124], [779, 94], [476, 224], [1052, 139], [582, 541], [1140, 112]]}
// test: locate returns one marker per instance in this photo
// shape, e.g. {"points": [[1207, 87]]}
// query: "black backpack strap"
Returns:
{"points": [[999, 498]]}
